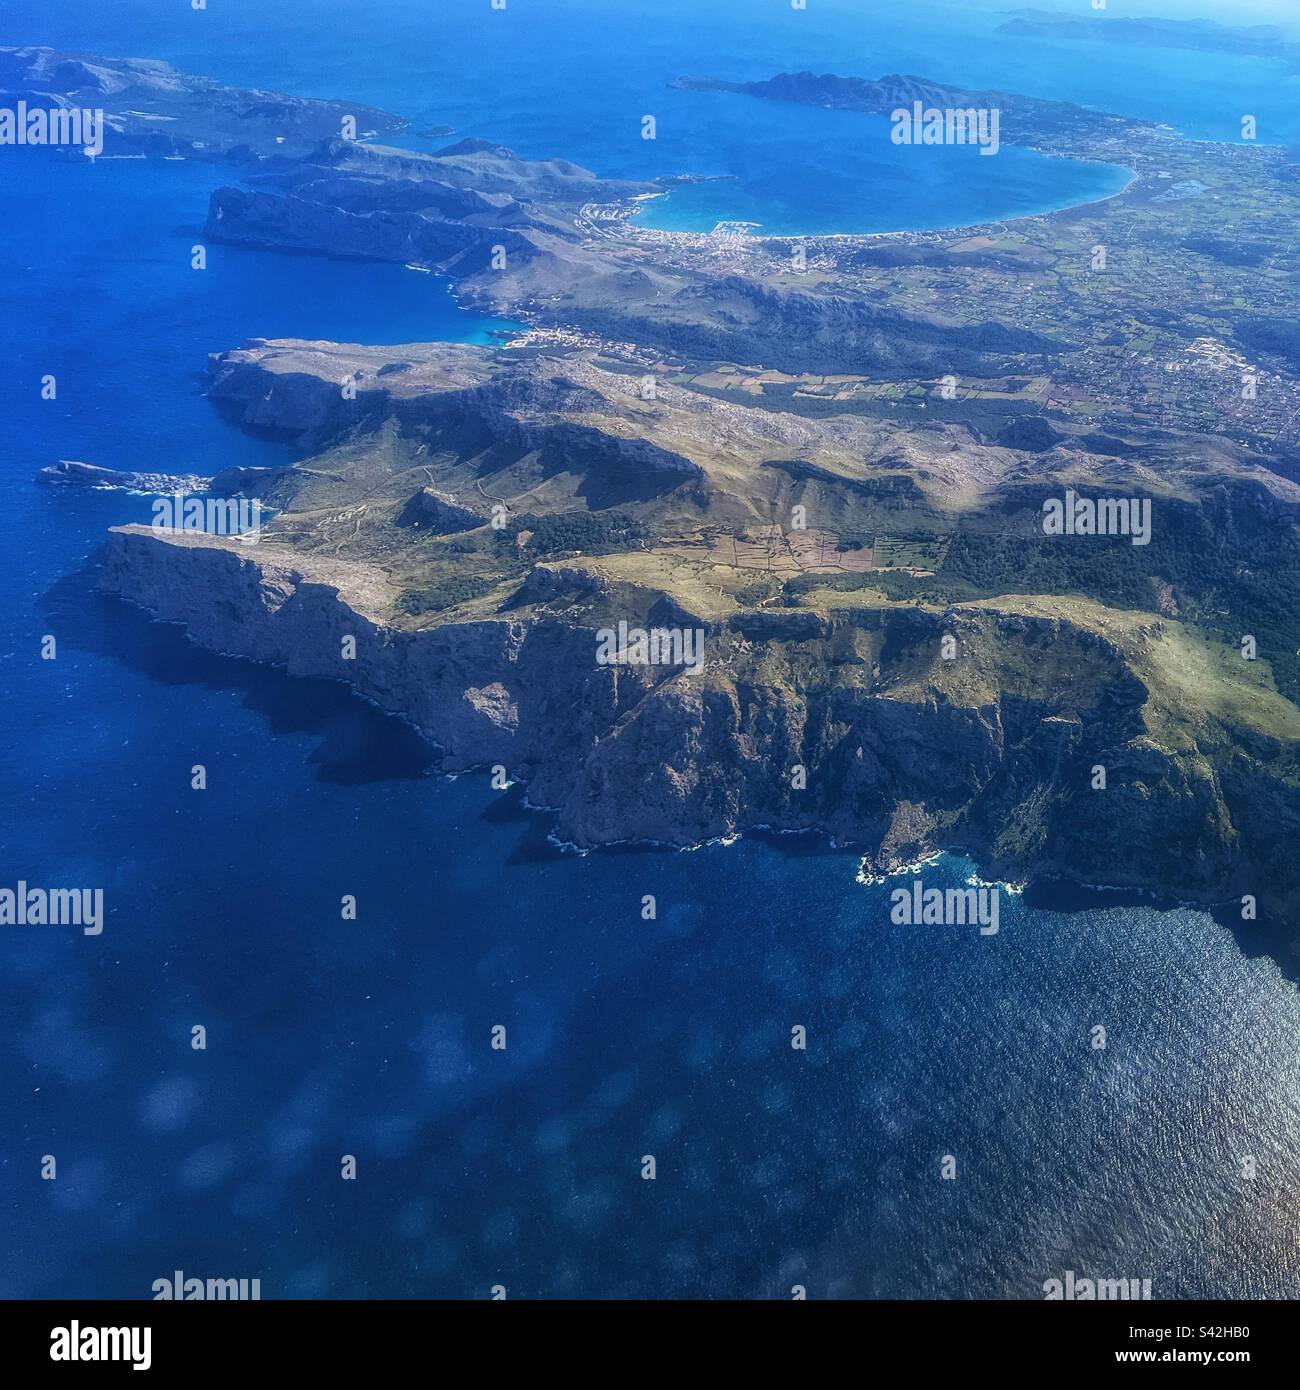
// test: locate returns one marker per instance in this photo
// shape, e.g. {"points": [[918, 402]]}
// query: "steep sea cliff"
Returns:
{"points": [[891, 762]]}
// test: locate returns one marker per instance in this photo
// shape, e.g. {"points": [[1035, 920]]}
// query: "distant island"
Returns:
{"points": [[1198, 35]]}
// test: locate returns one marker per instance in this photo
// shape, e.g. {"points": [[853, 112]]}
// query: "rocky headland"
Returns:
{"points": [[902, 727], [152, 109], [72, 473]]}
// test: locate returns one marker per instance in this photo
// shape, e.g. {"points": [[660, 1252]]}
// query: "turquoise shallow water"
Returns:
{"points": [[626, 1038], [834, 172]]}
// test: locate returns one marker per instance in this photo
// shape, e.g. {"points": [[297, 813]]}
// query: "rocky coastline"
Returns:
{"points": [[891, 766], [462, 523]]}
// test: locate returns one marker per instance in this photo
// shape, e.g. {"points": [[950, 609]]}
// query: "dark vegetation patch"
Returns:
{"points": [[446, 593], [564, 533], [1233, 565]]}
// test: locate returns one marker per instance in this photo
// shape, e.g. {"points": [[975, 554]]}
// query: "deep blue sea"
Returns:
{"points": [[326, 1037]]}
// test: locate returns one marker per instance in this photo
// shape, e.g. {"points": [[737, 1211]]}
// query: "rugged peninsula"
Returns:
{"points": [[153, 110], [822, 654]]}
